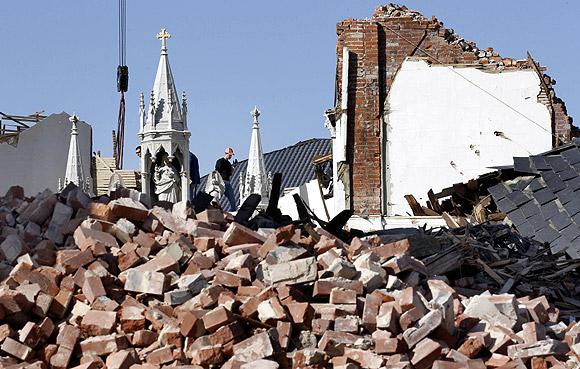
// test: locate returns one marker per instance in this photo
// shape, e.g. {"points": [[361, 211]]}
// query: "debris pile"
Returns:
{"points": [[496, 258], [467, 203], [542, 200], [485, 57], [87, 284]]}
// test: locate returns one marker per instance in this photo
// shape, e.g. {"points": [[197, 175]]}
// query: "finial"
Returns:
{"points": [[163, 35], [152, 98], [255, 113], [74, 120], [184, 97], [141, 100]]}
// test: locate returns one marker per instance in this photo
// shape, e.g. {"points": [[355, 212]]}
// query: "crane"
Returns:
{"points": [[122, 84]]}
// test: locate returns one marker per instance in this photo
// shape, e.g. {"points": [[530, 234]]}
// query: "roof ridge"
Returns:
{"points": [[297, 144]]}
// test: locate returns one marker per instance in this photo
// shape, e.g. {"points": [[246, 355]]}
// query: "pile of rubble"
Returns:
{"points": [[486, 56], [496, 258], [392, 10], [90, 284]]}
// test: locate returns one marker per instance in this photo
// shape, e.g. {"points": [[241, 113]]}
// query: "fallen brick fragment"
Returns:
{"points": [[145, 282], [254, 348], [426, 352], [237, 234], [98, 323], [16, 349], [293, 272]]}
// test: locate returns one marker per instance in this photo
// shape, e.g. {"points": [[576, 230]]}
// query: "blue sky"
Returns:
{"points": [[229, 55]]}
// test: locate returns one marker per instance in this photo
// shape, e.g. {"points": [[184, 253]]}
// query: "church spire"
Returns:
{"points": [[74, 166], [166, 113], [256, 178], [164, 136]]}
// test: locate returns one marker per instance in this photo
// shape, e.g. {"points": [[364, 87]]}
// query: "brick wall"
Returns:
{"points": [[377, 48], [362, 40], [562, 122]]}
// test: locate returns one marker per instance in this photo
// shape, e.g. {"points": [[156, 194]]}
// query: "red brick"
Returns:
{"points": [[16, 349], [160, 356], [321, 326], [322, 287], [93, 288], [471, 347], [347, 324], [301, 313], [100, 211], [227, 334], [76, 259], [227, 279], [425, 353], [237, 234], [122, 359], [144, 338], [256, 347], [128, 208], [204, 243], [98, 323], [216, 318], [342, 296], [132, 318], [271, 309], [61, 358], [68, 336], [102, 345]]}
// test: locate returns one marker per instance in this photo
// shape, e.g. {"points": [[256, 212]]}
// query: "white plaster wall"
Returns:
{"points": [[40, 157], [436, 117], [310, 194], [377, 223]]}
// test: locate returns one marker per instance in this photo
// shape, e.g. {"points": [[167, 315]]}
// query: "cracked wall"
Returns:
{"points": [[377, 48], [442, 130]]}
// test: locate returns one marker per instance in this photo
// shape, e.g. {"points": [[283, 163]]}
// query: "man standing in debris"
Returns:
{"points": [[225, 169], [193, 175], [138, 153]]}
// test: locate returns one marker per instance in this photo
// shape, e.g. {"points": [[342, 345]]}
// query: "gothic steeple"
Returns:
{"points": [[163, 133], [166, 111], [74, 166], [255, 179]]}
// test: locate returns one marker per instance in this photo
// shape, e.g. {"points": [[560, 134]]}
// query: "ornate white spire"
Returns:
{"points": [[256, 178], [164, 136], [165, 112], [74, 166]]}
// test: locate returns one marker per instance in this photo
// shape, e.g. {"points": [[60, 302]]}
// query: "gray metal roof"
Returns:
{"points": [[544, 202], [294, 162]]}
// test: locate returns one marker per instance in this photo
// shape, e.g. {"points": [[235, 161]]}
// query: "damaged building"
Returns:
{"points": [[417, 107], [36, 158]]}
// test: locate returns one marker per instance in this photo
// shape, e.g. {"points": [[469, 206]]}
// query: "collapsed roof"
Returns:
{"points": [[543, 202]]}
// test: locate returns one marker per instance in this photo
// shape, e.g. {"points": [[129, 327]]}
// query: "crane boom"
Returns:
{"points": [[122, 83]]}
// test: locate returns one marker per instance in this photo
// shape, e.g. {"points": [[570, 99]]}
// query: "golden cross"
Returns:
{"points": [[163, 35]]}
